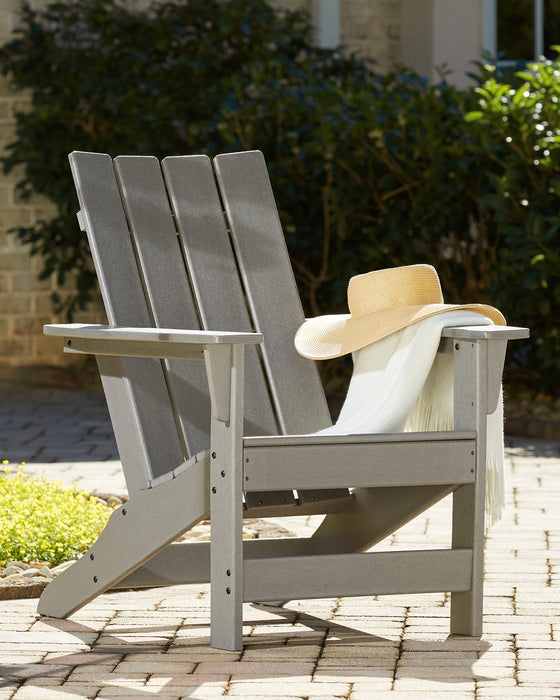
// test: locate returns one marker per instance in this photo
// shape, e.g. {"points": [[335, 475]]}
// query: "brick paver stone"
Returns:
{"points": [[154, 643]]}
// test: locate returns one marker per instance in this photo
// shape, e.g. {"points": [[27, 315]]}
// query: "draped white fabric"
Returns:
{"points": [[401, 383]]}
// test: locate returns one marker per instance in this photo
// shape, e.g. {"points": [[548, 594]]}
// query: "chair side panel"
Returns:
{"points": [[154, 447], [213, 273], [167, 288], [271, 289]]}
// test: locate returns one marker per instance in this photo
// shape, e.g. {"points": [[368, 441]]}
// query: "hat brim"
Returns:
{"points": [[327, 337]]}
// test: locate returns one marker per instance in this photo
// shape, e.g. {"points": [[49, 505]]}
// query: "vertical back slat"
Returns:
{"points": [[213, 272], [152, 447], [167, 288], [271, 290]]}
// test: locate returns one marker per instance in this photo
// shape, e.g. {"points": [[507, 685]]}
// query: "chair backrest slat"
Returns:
{"points": [[271, 290], [144, 387], [167, 288], [213, 273]]}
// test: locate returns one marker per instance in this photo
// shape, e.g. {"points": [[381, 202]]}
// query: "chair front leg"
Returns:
{"points": [[470, 398], [225, 367]]}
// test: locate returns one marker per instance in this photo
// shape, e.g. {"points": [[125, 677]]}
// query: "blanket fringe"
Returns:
{"points": [[425, 416]]}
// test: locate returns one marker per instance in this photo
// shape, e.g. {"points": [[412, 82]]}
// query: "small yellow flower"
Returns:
{"points": [[43, 521]]}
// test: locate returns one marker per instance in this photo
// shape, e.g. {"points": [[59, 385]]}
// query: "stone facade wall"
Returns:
{"points": [[371, 28], [368, 26], [24, 300]]}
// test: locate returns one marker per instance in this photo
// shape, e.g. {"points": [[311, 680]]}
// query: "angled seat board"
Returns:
{"points": [[148, 443], [271, 290], [213, 272], [167, 287]]}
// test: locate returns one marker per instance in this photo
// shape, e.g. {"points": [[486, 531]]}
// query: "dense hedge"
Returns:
{"points": [[369, 171], [520, 128]]}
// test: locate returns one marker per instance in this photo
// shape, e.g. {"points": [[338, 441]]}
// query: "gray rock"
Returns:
{"points": [[28, 573], [19, 564], [62, 567], [12, 577]]}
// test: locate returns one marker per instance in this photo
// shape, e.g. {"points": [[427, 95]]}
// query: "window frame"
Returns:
{"points": [[490, 32]]}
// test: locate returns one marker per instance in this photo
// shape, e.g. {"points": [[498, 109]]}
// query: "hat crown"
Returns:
{"points": [[380, 290]]}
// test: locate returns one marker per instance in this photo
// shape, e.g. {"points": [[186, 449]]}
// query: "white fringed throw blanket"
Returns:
{"points": [[401, 383]]}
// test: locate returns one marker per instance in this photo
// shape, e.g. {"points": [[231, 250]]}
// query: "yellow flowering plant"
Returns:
{"points": [[44, 521]]}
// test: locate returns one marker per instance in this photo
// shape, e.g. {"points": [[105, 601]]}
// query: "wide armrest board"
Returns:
{"points": [[486, 333], [171, 335], [160, 343]]}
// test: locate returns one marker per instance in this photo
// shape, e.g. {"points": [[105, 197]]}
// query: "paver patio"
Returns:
{"points": [[154, 643]]}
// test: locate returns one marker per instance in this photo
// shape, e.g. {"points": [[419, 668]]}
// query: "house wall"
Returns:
{"points": [[437, 33], [372, 28], [368, 27], [25, 303]]}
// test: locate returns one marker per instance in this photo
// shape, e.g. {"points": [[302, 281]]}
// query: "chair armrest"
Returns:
{"points": [[485, 333], [169, 343], [491, 361]]}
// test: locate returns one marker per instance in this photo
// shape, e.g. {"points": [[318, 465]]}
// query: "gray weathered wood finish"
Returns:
{"points": [[268, 278], [130, 538], [376, 573], [226, 505], [471, 408], [207, 251], [386, 463], [149, 445], [166, 287], [169, 278]]}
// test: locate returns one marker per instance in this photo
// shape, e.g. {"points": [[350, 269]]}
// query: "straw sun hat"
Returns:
{"points": [[380, 303]]}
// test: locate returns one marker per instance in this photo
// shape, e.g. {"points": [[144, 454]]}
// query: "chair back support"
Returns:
{"points": [[271, 290], [162, 247]]}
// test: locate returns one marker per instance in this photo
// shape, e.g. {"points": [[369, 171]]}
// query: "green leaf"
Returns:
{"points": [[474, 116]]}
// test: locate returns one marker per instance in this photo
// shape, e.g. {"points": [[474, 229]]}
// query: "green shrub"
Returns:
{"points": [[523, 194], [41, 521], [376, 172], [369, 171], [107, 78]]}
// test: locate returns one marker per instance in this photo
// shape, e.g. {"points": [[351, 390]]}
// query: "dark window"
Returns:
{"points": [[551, 30], [516, 35], [527, 29]]}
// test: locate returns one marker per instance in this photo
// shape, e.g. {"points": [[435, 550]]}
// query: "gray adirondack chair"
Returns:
{"points": [[228, 437]]}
